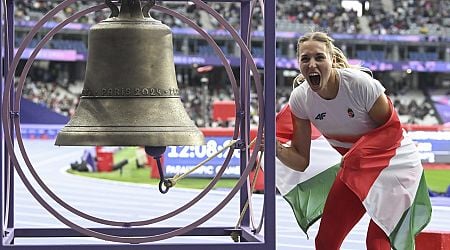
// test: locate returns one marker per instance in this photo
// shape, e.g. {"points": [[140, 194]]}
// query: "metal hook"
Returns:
{"points": [[146, 8], [161, 184], [156, 153], [114, 9], [167, 183]]}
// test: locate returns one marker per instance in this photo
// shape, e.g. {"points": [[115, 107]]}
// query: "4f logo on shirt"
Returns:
{"points": [[320, 116]]}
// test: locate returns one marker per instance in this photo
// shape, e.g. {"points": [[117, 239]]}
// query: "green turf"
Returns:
{"points": [[130, 173], [437, 180]]}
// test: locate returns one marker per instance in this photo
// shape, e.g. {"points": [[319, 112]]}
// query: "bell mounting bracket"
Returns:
{"points": [[130, 8]]}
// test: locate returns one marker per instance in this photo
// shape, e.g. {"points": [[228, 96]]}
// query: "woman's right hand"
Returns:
{"points": [[278, 145]]}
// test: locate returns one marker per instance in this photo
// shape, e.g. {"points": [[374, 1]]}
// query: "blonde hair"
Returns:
{"points": [[338, 57]]}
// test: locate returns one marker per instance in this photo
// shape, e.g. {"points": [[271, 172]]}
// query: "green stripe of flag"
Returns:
{"points": [[307, 199], [413, 220]]}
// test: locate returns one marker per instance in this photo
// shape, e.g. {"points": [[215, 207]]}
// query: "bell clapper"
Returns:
{"points": [[156, 153]]}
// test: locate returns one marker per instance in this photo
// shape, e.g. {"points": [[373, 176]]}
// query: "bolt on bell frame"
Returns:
{"points": [[249, 240]]}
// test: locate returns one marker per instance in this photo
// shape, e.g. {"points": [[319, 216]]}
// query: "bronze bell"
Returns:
{"points": [[130, 95]]}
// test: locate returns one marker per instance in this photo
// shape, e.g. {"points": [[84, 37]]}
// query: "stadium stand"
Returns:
{"points": [[55, 86], [383, 16]]}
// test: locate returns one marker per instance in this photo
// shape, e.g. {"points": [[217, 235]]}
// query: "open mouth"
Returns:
{"points": [[314, 78]]}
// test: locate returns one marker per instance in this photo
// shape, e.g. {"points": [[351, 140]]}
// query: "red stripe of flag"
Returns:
{"points": [[373, 152]]}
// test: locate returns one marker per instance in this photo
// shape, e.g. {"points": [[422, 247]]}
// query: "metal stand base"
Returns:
{"points": [[248, 240]]}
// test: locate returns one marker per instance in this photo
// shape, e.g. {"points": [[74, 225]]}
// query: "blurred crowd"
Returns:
{"points": [[383, 16], [411, 17], [413, 106], [415, 109], [51, 95]]}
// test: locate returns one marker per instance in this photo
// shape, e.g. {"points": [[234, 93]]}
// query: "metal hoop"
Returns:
{"points": [[87, 231]]}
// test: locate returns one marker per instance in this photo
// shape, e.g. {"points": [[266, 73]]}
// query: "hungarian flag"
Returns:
{"points": [[382, 168]]}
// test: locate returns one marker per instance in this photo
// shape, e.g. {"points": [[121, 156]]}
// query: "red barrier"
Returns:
{"points": [[259, 184], [154, 173], [224, 110], [433, 240], [105, 160], [225, 132]]}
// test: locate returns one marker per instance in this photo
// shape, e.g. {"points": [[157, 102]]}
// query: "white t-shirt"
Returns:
{"points": [[345, 118]]}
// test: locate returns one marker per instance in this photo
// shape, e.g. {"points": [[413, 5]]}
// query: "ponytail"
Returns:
{"points": [[339, 59]]}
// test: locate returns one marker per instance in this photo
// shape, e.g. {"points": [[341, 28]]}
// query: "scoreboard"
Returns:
{"points": [[180, 159]]}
